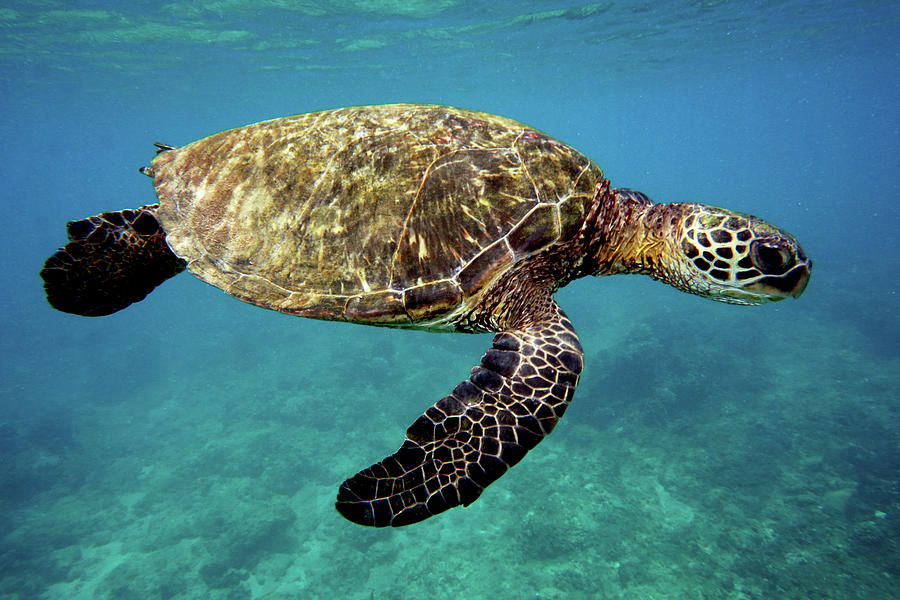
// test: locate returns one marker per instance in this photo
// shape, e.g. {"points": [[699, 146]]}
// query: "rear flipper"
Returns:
{"points": [[471, 437], [112, 260]]}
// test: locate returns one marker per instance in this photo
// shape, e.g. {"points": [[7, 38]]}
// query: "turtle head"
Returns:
{"points": [[731, 257], [712, 252]]}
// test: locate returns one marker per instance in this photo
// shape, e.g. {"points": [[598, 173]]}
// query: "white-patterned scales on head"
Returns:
{"points": [[427, 217]]}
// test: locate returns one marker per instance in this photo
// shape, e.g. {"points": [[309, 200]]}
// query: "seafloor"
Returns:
{"points": [[698, 461]]}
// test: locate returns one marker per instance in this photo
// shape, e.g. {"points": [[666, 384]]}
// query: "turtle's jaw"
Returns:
{"points": [[793, 283], [767, 289], [802, 281]]}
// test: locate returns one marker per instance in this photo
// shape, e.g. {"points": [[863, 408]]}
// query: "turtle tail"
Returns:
{"points": [[111, 261]]}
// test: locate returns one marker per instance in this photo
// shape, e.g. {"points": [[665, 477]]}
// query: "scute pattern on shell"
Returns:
{"points": [[395, 214]]}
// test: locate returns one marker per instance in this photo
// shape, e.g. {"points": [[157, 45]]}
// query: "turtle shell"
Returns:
{"points": [[394, 215]]}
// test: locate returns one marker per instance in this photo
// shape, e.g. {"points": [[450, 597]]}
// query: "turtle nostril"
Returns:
{"points": [[769, 258]]}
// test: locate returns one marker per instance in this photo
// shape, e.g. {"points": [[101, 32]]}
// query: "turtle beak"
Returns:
{"points": [[799, 275], [805, 270], [778, 287], [786, 273], [772, 288]]}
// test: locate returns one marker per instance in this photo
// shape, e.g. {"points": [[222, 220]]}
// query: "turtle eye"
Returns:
{"points": [[770, 258]]}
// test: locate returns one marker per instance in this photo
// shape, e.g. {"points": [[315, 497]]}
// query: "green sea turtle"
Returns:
{"points": [[423, 217]]}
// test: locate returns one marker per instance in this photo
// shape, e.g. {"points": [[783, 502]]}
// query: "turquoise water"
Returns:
{"points": [[191, 446]]}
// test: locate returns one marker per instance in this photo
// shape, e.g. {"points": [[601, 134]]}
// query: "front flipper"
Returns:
{"points": [[470, 438]]}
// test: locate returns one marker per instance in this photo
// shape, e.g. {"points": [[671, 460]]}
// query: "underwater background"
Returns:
{"points": [[191, 445]]}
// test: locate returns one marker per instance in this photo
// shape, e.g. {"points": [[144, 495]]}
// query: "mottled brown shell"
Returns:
{"points": [[395, 215]]}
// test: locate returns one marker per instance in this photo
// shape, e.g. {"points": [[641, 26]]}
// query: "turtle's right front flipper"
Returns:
{"points": [[111, 261], [470, 438]]}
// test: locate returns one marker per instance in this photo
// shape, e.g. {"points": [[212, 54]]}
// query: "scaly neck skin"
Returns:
{"points": [[623, 232], [630, 234]]}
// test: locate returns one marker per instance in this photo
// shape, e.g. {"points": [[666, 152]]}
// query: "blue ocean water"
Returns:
{"points": [[191, 446]]}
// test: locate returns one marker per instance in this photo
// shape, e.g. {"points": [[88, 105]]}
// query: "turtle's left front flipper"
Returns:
{"points": [[470, 438]]}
